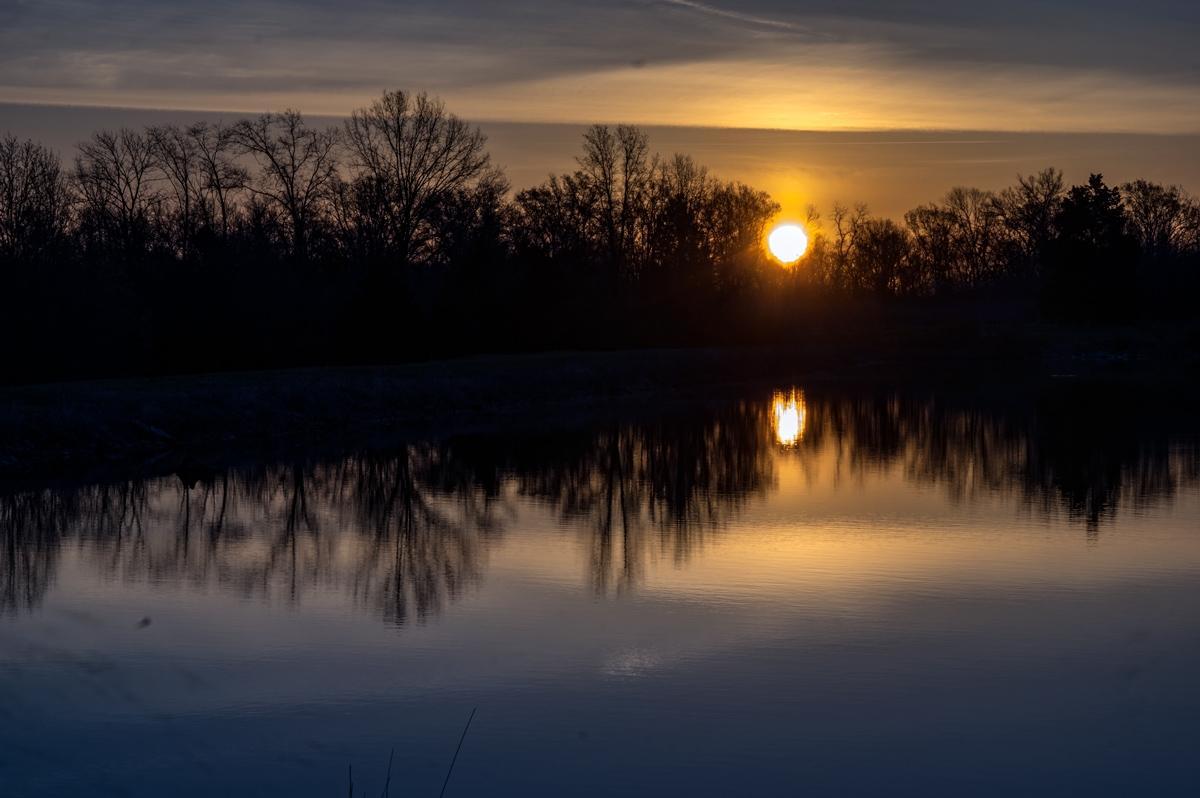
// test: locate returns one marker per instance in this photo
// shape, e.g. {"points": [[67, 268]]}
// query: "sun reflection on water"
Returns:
{"points": [[790, 418]]}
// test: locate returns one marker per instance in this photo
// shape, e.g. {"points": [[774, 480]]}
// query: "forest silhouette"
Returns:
{"points": [[269, 242]]}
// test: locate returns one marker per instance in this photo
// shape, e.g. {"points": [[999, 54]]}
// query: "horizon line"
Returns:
{"points": [[574, 123]]}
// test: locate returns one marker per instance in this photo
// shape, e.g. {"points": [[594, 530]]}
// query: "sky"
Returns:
{"points": [[1046, 65]]}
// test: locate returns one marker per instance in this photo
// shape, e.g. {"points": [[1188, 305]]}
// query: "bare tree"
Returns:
{"points": [[734, 220], [678, 244], [882, 257], [411, 154], [978, 234], [1028, 211], [223, 176], [1163, 218], [846, 222], [618, 166], [34, 199], [557, 221], [178, 159], [115, 176], [933, 248], [297, 169]]}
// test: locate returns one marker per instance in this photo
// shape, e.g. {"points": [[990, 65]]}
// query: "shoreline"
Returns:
{"points": [[106, 429]]}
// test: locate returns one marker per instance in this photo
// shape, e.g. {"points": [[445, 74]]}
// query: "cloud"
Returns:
{"points": [[1098, 63], [737, 16]]}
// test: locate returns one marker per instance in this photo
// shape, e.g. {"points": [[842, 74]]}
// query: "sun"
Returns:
{"points": [[788, 242]]}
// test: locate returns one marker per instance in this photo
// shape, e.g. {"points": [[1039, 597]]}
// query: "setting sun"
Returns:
{"points": [[788, 242]]}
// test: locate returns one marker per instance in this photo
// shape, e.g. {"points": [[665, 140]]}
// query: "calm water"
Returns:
{"points": [[803, 592]]}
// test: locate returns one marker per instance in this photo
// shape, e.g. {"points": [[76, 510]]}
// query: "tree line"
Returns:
{"points": [[272, 242], [1089, 252]]}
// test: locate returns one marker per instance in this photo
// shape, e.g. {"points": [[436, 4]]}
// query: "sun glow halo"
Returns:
{"points": [[788, 242]]}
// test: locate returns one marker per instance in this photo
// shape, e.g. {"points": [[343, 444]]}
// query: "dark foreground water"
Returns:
{"points": [[804, 592]]}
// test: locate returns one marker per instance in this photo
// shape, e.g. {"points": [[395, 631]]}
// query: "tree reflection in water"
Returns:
{"points": [[1081, 450], [404, 532], [655, 488]]}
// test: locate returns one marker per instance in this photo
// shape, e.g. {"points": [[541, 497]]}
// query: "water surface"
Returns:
{"points": [[807, 590]]}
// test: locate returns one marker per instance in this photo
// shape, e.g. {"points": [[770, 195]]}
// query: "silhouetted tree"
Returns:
{"points": [[34, 201], [223, 177], [115, 178], [1164, 219], [735, 220], [979, 237], [1029, 211], [661, 228], [413, 157], [881, 257], [197, 163], [177, 157], [297, 170], [934, 253], [1091, 262], [677, 240], [556, 221], [846, 221], [960, 243], [617, 168]]}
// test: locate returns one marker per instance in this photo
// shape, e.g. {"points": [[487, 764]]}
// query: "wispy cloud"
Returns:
{"points": [[738, 16]]}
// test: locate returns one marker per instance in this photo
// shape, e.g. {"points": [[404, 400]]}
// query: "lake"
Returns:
{"points": [[803, 589]]}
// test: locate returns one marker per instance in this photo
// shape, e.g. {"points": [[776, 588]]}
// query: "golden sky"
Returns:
{"points": [[807, 64]]}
